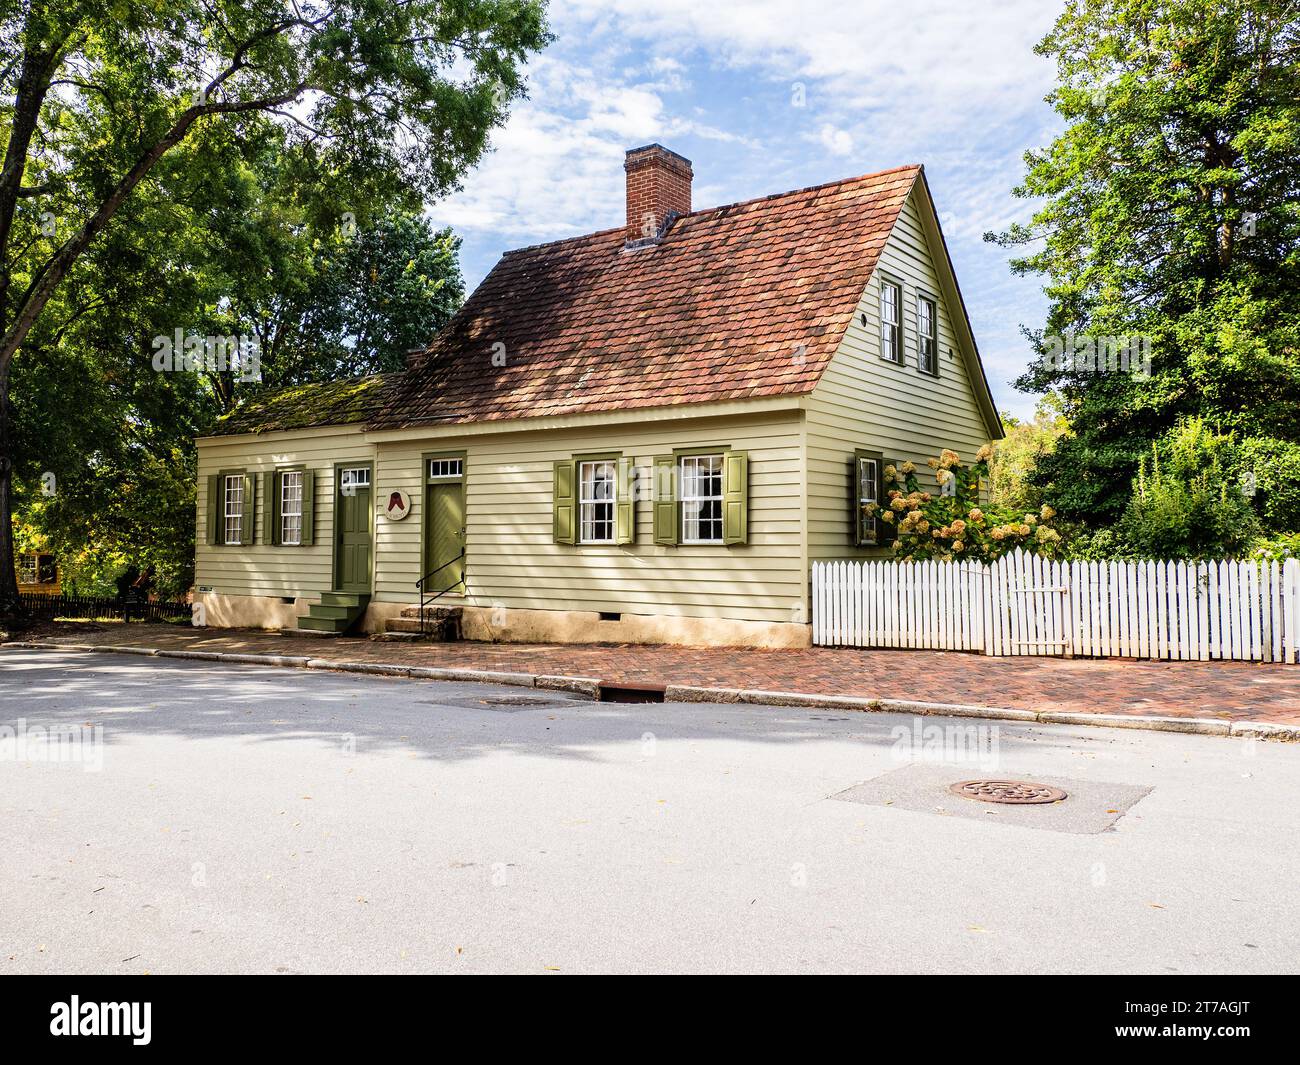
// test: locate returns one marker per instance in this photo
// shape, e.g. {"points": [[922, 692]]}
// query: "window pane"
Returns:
{"points": [[889, 330], [868, 479], [445, 467], [291, 508], [700, 477], [926, 325], [596, 503], [234, 509]]}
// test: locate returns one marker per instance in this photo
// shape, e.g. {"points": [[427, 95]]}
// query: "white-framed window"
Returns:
{"points": [[291, 508], [355, 477], [27, 569], [927, 335], [868, 492], [891, 330], [596, 502], [700, 478], [446, 468], [234, 508]]}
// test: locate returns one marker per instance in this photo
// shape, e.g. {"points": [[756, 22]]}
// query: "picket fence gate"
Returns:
{"points": [[1026, 605]]}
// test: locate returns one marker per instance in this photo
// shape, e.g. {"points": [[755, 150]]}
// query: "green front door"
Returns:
{"points": [[446, 534], [353, 516]]}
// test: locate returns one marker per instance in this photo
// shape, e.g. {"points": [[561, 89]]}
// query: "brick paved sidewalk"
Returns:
{"points": [[1229, 691]]}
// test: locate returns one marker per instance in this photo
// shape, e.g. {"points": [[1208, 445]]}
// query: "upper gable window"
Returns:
{"points": [[927, 335], [891, 329]]}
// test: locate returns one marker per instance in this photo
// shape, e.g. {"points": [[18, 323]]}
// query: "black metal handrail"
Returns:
{"points": [[426, 598]]}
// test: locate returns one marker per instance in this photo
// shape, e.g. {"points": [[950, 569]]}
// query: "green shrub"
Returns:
{"points": [[1277, 548], [1187, 500]]}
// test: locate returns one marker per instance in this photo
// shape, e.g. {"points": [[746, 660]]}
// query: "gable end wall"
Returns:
{"points": [[864, 401]]}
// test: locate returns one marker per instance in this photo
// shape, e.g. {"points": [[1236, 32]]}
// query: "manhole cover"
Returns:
{"points": [[1020, 792], [516, 700]]}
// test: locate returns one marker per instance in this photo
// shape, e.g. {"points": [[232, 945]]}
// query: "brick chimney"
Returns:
{"points": [[658, 185]]}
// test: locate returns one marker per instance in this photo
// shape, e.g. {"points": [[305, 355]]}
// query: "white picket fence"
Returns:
{"points": [[1025, 605]]}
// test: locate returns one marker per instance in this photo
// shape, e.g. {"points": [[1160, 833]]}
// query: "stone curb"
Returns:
{"points": [[264, 660], [589, 686], [1266, 730], [682, 693], [1199, 725], [375, 668], [485, 676]]}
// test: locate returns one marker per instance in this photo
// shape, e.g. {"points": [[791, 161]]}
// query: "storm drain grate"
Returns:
{"points": [[1018, 792]]}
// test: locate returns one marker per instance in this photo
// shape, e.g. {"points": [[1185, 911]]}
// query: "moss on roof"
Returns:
{"points": [[307, 406]]}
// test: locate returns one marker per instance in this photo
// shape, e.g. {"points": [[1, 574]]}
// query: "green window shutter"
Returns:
{"points": [[665, 503], [214, 507], [247, 529], [888, 529], [564, 503], [270, 499], [735, 497], [308, 506], [624, 504]]}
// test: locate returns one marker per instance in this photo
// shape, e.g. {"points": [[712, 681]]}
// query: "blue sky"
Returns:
{"points": [[953, 85]]}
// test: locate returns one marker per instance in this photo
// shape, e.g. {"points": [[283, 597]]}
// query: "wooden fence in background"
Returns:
{"points": [[91, 608]]}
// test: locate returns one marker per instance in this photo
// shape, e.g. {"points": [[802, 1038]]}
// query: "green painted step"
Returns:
{"points": [[324, 624], [336, 612], [324, 610], [343, 599]]}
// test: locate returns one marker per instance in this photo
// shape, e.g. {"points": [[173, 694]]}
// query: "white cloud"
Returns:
{"points": [[557, 165], [948, 83], [835, 141]]}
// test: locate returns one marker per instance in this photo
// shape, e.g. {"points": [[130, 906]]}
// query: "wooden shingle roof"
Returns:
{"points": [[747, 300], [346, 402]]}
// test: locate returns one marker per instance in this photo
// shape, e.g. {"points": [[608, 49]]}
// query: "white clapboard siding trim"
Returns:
{"points": [[1026, 605]]}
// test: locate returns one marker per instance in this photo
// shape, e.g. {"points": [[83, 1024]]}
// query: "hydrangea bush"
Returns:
{"points": [[951, 522]]}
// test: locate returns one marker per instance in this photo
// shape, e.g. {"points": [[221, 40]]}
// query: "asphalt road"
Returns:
{"points": [[253, 819]]}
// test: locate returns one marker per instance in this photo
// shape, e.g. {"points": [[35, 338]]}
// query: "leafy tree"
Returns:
{"points": [[371, 296], [1017, 455], [1169, 212], [221, 256], [378, 101]]}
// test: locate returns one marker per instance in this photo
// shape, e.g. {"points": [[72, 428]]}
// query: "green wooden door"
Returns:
{"points": [[352, 522], [446, 534]]}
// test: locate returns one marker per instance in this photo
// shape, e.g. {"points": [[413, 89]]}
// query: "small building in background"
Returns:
{"points": [[38, 573]]}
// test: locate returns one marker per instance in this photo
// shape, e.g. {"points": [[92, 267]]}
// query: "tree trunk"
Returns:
{"points": [[11, 607]]}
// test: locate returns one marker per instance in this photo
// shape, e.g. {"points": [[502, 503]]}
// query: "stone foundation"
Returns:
{"points": [[496, 624]]}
